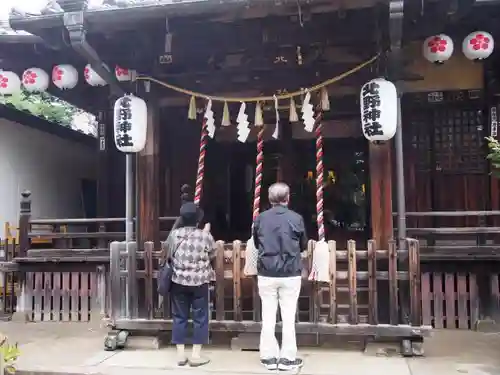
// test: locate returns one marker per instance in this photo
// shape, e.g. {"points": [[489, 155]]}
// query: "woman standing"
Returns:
{"points": [[192, 252]]}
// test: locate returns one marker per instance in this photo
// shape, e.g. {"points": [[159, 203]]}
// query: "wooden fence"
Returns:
{"points": [[352, 303], [8, 280], [64, 296], [448, 299], [451, 300]]}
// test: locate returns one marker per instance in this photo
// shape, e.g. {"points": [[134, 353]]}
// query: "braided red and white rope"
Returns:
{"points": [[319, 177], [258, 172], [201, 163]]}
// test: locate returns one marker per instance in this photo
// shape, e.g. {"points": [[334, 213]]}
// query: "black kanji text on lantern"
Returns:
{"points": [[124, 124], [371, 109]]}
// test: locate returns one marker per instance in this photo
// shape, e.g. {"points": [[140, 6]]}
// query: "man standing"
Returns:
{"points": [[279, 235]]}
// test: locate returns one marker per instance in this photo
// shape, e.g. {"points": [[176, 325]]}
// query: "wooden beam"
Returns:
{"points": [[380, 163], [376, 330], [148, 179]]}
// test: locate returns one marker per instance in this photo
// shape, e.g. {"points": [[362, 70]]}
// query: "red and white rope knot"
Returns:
{"points": [[258, 173], [201, 164], [319, 179]]}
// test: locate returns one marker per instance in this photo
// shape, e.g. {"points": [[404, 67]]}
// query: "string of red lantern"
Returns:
{"points": [[476, 46]]}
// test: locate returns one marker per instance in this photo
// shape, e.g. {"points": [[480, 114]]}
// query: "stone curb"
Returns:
{"points": [[45, 372]]}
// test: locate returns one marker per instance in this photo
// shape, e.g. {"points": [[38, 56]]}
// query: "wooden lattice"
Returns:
{"points": [[447, 131]]}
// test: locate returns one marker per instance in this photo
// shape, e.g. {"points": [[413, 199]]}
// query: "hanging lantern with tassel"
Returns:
{"points": [[226, 117], [378, 100], [130, 124]]}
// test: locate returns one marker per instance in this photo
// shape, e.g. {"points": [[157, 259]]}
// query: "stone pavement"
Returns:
{"points": [[76, 348]]}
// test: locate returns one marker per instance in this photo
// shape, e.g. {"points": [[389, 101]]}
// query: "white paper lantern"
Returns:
{"points": [[35, 80], [64, 76], [378, 101], [438, 48], [10, 83], [130, 125], [92, 78], [478, 45], [124, 74]]}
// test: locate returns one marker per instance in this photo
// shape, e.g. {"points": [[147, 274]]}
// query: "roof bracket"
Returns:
{"points": [[74, 23]]}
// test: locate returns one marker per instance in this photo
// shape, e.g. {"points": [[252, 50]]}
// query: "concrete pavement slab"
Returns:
{"points": [[66, 348], [450, 367], [224, 362]]}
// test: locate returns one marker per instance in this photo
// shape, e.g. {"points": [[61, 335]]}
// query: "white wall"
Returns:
{"points": [[49, 166]]}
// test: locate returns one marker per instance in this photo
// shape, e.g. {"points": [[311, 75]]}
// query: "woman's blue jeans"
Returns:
{"points": [[186, 299]]}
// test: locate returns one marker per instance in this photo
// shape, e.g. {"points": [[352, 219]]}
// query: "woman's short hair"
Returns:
{"points": [[278, 193]]}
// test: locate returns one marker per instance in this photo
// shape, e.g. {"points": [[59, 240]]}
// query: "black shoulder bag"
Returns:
{"points": [[167, 271]]}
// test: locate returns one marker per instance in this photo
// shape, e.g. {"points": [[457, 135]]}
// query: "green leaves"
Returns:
{"points": [[9, 353], [494, 156], [43, 105]]}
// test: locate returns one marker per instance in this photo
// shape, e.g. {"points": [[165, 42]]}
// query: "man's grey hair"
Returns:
{"points": [[279, 193]]}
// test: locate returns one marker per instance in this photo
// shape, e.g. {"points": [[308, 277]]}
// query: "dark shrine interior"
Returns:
{"points": [[228, 200]]}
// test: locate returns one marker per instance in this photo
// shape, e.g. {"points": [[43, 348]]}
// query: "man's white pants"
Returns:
{"points": [[285, 292]]}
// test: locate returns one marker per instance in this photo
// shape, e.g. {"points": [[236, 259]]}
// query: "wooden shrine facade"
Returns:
{"points": [[268, 49]]}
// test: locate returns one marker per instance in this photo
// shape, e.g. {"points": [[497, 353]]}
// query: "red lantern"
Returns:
{"points": [[35, 80], [438, 48], [92, 78], [124, 74], [478, 45], [64, 76], [9, 83]]}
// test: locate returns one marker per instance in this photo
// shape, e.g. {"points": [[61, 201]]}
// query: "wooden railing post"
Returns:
{"points": [[101, 310], [219, 281], [115, 281], [133, 297], [372, 283], [414, 278], [393, 283], [24, 223], [24, 295], [148, 276], [352, 282]]}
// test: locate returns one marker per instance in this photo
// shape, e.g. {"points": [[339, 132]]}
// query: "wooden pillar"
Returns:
{"points": [[486, 284], [381, 193], [148, 173], [24, 224], [105, 142]]}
